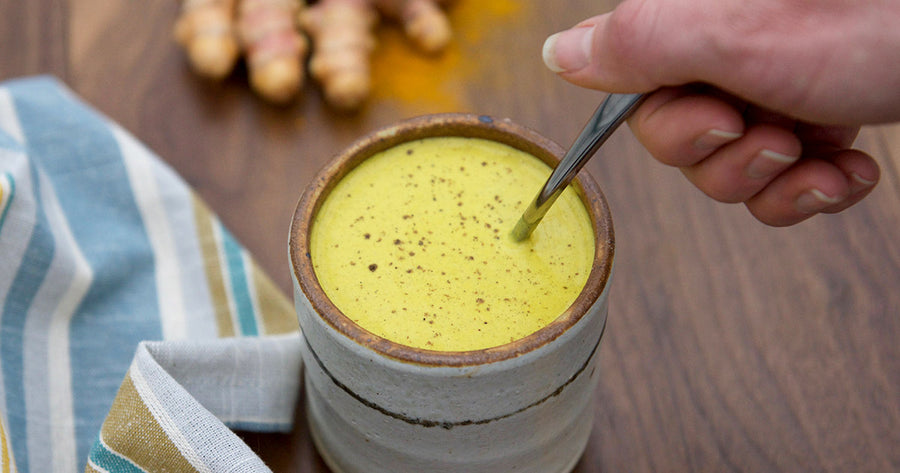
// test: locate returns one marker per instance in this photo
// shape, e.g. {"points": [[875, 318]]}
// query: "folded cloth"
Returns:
{"points": [[135, 331]]}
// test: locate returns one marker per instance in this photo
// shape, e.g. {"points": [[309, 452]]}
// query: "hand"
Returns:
{"points": [[756, 102]]}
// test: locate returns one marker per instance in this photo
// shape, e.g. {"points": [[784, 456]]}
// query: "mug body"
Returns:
{"points": [[374, 405]]}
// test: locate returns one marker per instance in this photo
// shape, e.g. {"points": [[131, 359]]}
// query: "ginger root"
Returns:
{"points": [[268, 32], [274, 48], [204, 29], [216, 32], [342, 36], [423, 21]]}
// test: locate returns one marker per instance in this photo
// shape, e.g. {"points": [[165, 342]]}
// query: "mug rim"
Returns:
{"points": [[448, 125]]}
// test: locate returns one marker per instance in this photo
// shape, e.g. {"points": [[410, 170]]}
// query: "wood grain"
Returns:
{"points": [[731, 346]]}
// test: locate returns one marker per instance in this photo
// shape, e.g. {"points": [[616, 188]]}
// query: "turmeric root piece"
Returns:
{"points": [[342, 36], [423, 21], [274, 48], [204, 30]]}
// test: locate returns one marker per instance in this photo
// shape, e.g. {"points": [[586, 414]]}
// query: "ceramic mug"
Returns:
{"points": [[374, 405]]}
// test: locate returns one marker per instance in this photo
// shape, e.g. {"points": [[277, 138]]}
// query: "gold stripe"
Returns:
{"points": [[213, 266], [276, 312], [6, 460], [132, 431]]}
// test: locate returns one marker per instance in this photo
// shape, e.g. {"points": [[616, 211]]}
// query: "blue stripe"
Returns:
{"points": [[75, 148], [283, 427], [112, 461], [240, 288], [11, 194], [36, 262]]}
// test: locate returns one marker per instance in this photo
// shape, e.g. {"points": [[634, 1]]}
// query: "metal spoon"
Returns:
{"points": [[614, 109]]}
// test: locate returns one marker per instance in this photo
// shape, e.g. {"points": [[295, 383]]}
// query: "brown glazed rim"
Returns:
{"points": [[466, 125]]}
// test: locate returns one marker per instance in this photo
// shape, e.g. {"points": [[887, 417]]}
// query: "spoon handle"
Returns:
{"points": [[614, 109]]}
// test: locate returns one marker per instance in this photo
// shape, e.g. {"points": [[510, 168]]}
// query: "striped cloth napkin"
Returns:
{"points": [[135, 331]]}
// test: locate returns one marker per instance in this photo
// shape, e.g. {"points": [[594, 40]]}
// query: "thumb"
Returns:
{"points": [[621, 51]]}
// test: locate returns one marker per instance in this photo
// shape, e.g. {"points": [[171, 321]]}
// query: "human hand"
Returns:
{"points": [[755, 102]]}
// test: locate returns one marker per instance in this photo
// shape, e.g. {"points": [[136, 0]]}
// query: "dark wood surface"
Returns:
{"points": [[731, 346]]}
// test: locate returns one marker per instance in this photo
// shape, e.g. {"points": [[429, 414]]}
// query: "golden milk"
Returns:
{"points": [[414, 245]]}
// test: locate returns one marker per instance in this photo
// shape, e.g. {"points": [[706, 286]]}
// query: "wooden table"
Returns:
{"points": [[731, 346]]}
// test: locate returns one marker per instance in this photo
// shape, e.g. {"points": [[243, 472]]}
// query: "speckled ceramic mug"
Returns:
{"points": [[374, 405]]}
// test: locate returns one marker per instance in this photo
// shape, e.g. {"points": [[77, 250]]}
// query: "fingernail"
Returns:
{"points": [[814, 201], [569, 50], [714, 138], [859, 183], [768, 162]]}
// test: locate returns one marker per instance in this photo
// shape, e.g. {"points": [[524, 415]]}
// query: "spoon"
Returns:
{"points": [[614, 109]]}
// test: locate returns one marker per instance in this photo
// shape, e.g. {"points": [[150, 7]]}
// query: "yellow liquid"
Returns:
{"points": [[414, 245]]}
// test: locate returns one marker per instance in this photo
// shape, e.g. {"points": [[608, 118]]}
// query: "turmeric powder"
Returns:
{"points": [[427, 84]]}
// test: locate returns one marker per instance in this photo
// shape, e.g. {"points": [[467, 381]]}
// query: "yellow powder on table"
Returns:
{"points": [[414, 245], [438, 82]]}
